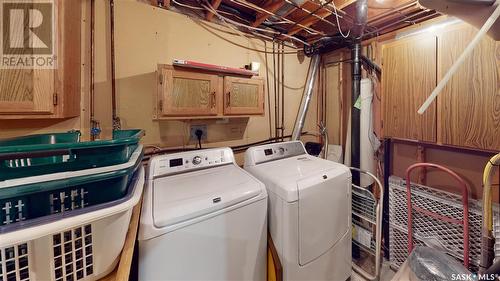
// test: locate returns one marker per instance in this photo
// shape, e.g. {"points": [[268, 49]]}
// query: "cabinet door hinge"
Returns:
{"points": [[54, 99], [160, 78], [160, 105]]}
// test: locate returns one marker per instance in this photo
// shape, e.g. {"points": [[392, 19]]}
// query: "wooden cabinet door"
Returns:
{"points": [[188, 93], [243, 96], [469, 106], [27, 91], [408, 77]]}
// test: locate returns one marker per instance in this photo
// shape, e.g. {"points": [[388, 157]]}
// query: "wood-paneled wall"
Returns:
{"points": [[409, 74], [469, 106]]}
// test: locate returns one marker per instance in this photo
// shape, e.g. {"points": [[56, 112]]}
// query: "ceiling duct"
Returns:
{"points": [[475, 12]]}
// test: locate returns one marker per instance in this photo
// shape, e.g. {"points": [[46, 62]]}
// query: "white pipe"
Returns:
{"points": [[367, 159], [487, 25]]}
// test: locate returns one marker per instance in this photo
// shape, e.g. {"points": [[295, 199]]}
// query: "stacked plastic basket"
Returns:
{"points": [[65, 205]]}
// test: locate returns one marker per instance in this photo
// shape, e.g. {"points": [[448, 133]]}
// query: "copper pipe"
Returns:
{"points": [[94, 124], [323, 19], [309, 14], [406, 18], [392, 11], [283, 92], [262, 10], [116, 120]]}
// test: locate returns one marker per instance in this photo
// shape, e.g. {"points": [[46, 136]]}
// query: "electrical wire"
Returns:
{"points": [[268, 93], [209, 7], [208, 28], [338, 22], [262, 10], [237, 32]]}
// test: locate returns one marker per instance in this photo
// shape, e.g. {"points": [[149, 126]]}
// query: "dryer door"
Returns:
{"points": [[324, 212]]}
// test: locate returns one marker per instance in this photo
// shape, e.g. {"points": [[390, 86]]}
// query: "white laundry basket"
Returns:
{"points": [[81, 247]]}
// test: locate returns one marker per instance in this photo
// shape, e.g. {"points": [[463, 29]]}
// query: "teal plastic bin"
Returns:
{"points": [[25, 200], [34, 155]]}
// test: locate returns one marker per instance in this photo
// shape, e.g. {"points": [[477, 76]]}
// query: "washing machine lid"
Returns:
{"points": [[324, 212], [281, 176], [185, 196]]}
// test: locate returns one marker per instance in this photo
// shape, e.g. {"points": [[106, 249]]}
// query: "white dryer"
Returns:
{"points": [[203, 218], [309, 210]]}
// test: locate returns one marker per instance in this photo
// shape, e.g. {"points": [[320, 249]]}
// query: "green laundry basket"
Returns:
{"points": [[61, 152], [31, 199]]}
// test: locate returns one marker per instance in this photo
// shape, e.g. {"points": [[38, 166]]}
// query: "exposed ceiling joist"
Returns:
{"points": [[272, 7], [215, 4], [309, 21]]}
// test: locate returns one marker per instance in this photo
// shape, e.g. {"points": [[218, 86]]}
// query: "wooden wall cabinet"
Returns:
{"points": [[243, 96], [187, 93], [466, 113], [184, 94], [469, 106], [408, 77], [48, 93]]}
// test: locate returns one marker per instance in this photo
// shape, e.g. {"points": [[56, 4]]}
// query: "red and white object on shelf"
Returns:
{"points": [[213, 67]]}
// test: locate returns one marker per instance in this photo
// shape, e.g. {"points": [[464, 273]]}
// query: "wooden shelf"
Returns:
{"points": [[122, 270]]}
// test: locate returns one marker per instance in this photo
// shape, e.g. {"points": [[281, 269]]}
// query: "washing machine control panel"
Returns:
{"points": [[189, 161], [274, 151]]}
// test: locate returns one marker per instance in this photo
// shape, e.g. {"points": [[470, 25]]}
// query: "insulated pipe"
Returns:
{"points": [[355, 113], [306, 97], [487, 239], [487, 25]]}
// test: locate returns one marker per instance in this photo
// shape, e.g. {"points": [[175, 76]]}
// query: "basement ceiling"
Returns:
{"points": [[304, 22]]}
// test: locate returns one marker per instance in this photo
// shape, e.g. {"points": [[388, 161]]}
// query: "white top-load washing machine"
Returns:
{"points": [[203, 218], [309, 210]]}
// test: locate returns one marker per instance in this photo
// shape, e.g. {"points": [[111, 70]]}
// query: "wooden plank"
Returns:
{"points": [[470, 102], [122, 271], [274, 267], [215, 4], [409, 75], [309, 21], [270, 7]]}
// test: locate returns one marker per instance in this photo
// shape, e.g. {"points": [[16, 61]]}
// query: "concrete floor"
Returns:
{"points": [[386, 274]]}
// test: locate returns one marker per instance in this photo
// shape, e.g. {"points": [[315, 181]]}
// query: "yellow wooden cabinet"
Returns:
{"points": [[47, 93], [187, 94]]}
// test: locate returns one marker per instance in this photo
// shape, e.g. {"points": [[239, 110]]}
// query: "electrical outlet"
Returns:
{"points": [[194, 128]]}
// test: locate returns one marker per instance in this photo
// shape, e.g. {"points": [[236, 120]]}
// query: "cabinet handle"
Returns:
{"points": [[212, 100], [228, 100]]}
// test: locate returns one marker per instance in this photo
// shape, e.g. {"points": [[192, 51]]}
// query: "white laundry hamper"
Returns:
{"points": [[85, 246]]}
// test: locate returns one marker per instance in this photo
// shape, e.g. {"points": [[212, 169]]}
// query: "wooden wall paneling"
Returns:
{"points": [[470, 102], [68, 74], [409, 76]]}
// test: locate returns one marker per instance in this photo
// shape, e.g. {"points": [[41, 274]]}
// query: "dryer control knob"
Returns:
{"points": [[281, 151], [196, 160]]}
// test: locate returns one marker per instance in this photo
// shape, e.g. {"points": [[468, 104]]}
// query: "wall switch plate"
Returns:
{"points": [[192, 130]]}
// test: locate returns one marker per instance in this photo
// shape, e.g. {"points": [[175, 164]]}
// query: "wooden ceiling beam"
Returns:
{"points": [[309, 21], [215, 4], [271, 7]]}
